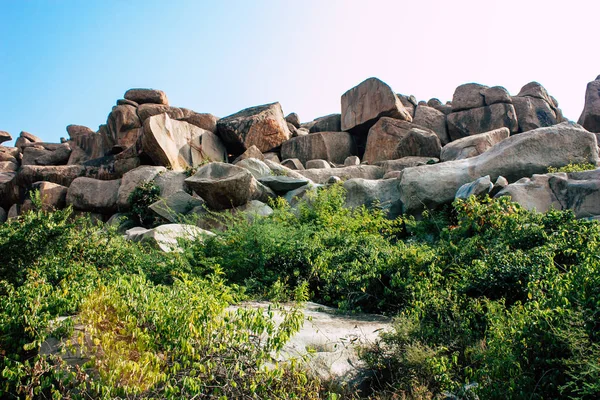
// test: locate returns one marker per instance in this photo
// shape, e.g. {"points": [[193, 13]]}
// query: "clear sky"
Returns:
{"points": [[67, 62]]}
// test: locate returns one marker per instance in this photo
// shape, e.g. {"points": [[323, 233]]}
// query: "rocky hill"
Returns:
{"points": [[389, 148]]}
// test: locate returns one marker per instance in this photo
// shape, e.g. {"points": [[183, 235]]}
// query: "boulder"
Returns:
{"points": [[62, 174], [293, 197], [590, 116], [9, 189], [351, 160], [121, 120], [482, 119], [467, 96], [430, 118], [3, 215], [282, 170], [370, 100], [293, 119], [310, 164], [359, 171], [383, 193], [167, 237], [272, 157], [409, 102], [282, 184], [8, 166], [5, 137], [88, 194], [14, 211], [390, 139], [577, 191], [178, 145], [257, 168], [146, 111], [175, 205], [496, 94], [474, 145], [479, 188], [224, 186], [52, 195], [59, 156], [514, 158], [133, 179], [330, 146], [328, 123], [263, 126], [30, 137], [535, 108], [406, 162], [171, 182], [125, 102], [12, 154], [144, 96], [292, 163], [252, 152], [202, 120]]}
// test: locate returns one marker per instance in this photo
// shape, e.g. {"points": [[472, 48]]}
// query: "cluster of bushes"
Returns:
{"points": [[491, 301]]}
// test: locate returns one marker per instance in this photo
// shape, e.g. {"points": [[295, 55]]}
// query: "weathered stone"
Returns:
{"points": [[409, 102], [14, 211], [292, 163], [5, 136], [224, 186], [479, 188], [483, 119], [30, 137], [3, 215], [534, 89], [293, 119], [310, 164], [263, 126], [392, 175], [9, 190], [78, 130], [10, 154], [53, 196], [282, 184], [272, 156], [175, 205], [577, 191], [359, 171], [533, 113], [125, 102], [60, 156], [351, 160], [496, 94], [252, 152], [166, 237], [143, 96], [293, 197], [282, 170], [202, 120], [333, 180], [178, 145], [590, 116], [430, 118], [60, 174], [8, 166], [133, 179], [384, 193], [120, 120], [433, 102], [293, 130], [328, 123], [330, 146], [467, 96], [146, 111], [444, 108], [514, 158], [257, 168], [390, 139], [474, 145], [406, 162], [171, 182], [88, 194], [365, 103], [500, 184]]}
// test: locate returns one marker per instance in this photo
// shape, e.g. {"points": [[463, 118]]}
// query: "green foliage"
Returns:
{"points": [[140, 199], [571, 167]]}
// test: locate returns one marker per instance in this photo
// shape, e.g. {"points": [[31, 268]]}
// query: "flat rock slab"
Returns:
{"points": [[282, 184]]}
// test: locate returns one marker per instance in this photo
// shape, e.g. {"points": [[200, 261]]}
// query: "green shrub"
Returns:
{"points": [[571, 167], [142, 197]]}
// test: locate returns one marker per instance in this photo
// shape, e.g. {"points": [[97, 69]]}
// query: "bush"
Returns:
{"points": [[572, 168], [142, 197]]}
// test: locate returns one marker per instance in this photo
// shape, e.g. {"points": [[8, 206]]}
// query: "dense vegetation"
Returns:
{"points": [[490, 300]]}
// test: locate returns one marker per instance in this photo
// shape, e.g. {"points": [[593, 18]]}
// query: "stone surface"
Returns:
{"points": [[351, 160], [88, 194], [175, 205], [406, 162], [292, 163], [590, 116], [263, 126], [409, 103], [202, 120], [133, 179], [224, 186], [282, 170], [535, 108], [496, 94], [146, 111], [467, 96], [514, 158], [328, 123], [390, 139], [53, 196], [384, 193], [330, 146], [8, 166], [257, 168], [430, 118], [282, 184], [9, 189], [171, 182], [5, 136], [310, 164], [62, 174], [272, 157], [293, 119], [577, 191], [144, 96], [370, 100], [479, 187], [251, 152], [358, 171], [166, 237], [474, 145], [30, 137], [121, 120], [177, 144], [483, 119]]}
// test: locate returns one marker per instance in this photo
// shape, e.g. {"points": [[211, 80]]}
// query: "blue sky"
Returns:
{"points": [[64, 62]]}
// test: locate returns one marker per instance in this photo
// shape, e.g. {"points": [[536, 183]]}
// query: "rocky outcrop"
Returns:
{"points": [[535, 108], [474, 145], [144, 96], [5, 137], [482, 119], [262, 126], [590, 116], [328, 123], [52, 196], [88, 194], [430, 118], [330, 146], [384, 193], [358, 171], [133, 179], [390, 139]]}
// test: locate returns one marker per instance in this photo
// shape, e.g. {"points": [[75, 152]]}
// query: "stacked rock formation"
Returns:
{"points": [[386, 148]]}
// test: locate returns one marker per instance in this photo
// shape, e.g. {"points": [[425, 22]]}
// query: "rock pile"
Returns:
{"points": [[388, 148]]}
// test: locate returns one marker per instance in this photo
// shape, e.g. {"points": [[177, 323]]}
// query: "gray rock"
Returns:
{"points": [[166, 237], [272, 157], [467, 96], [479, 187], [333, 180], [499, 185], [293, 197], [257, 168], [383, 193], [143, 96], [359, 171], [145, 111], [5, 137], [251, 152], [328, 123], [533, 113], [171, 182], [590, 116], [201, 120], [310, 164], [52, 195], [13, 212], [176, 205], [133, 179], [88, 194], [293, 119], [8, 166], [496, 94], [406, 162], [474, 145], [483, 119], [330, 146], [60, 174], [292, 163], [282, 184], [282, 170], [430, 118], [121, 222]]}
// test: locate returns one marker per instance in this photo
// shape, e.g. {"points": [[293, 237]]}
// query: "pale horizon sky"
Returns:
{"points": [[68, 62]]}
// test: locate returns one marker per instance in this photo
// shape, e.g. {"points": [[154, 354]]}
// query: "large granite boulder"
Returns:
{"points": [[406, 162], [482, 119], [9, 189], [166, 237], [390, 139], [201, 120], [176, 205], [121, 120], [330, 146], [384, 193], [133, 179], [430, 118], [61, 174], [146, 111], [263, 126], [257, 167], [370, 100], [293, 119], [535, 108], [52, 196], [514, 158], [178, 145], [590, 116], [577, 191], [143, 96], [467, 96], [282, 184], [46, 154], [88, 194], [474, 145], [5, 136], [328, 123], [359, 171], [224, 186]]}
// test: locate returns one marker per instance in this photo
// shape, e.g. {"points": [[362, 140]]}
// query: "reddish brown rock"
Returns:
{"points": [[330, 146], [144, 96], [474, 145], [482, 119], [430, 118], [467, 96], [590, 116], [293, 119], [202, 120], [5, 136]]}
